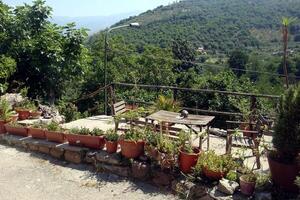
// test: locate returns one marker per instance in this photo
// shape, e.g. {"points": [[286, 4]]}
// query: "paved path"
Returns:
{"points": [[30, 176]]}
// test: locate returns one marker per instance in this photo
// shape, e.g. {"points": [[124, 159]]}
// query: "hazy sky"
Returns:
{"points": [[73, 8]]}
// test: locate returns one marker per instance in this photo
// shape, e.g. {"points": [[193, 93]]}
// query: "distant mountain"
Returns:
{"points": [[93, 23], [217, 25]]}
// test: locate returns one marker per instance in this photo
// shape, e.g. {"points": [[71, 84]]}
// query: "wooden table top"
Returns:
{"points": [[172, 117]]}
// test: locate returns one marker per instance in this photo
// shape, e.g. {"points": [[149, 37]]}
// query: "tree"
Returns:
{"points": [[184, 52], [43, 51], [238, 61]]}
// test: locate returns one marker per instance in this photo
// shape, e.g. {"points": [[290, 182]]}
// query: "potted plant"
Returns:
{"points": [[286, 141], [37, 130], [247, 183], [214, 166], [151, 145], [188, 155], [132, 143], [55, 133], [35, 113], [167, 151], [5, 115], [111, 141], [84, 137], [15, 128], [24, 108]]}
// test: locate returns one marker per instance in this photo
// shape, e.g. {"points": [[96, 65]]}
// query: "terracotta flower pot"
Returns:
{"points": [[54, 136], [2, 127], [111, 146], [23, 114], [94, 142], [213, 175], [247, 188], [14, 118], [35, 114], [152, 152], [20, 131], [284, 175], [132, 149], [188, 160], [37, 133]]}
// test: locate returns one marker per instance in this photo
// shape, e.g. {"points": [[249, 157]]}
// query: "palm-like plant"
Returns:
{"points": [[285, 32], [166, 103]]}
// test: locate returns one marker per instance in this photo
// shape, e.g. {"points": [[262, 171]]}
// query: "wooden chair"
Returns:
{"points": [[249, 139], [120, 108]]}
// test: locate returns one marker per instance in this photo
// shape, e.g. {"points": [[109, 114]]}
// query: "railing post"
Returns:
{"points": [[253, 109], [175, 93]]}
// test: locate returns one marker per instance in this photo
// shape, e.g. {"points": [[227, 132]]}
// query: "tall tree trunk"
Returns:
{"points": [[285, 45]]}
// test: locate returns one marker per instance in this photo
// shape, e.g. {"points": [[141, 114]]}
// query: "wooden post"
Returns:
{"points": [[253, 107]]}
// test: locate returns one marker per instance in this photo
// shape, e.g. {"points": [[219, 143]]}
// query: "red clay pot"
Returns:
{"points": [[94, 142], [212, 174], [188, 160], [20, 131], [132, 149], [23, 114], [54, 136], [35, 114], [284, 175], [247, 188], [111, 146], [2, 127], [37, 133]]}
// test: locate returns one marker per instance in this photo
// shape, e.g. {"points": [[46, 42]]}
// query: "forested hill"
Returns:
{"points": [[215, 24]]}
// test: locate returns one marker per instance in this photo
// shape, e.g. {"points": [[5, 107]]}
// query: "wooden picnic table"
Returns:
{"points": [[200, 121]]}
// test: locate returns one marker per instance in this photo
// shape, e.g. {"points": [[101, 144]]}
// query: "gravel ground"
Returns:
{"points": [[30, 176]]}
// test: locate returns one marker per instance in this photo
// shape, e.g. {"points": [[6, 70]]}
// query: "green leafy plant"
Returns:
{"points": [[5, 110], [216, 163], [286, 138], [53, 126], [16, 125], [80, 131], [168, 104], [185, 142], [38, 125], [151, 137], [97, 132], [134, 135], [111, 135], [250, 178], [262, 180], [232, 175], [26, 105]]}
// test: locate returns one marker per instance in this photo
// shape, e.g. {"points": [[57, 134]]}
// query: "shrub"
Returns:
{"points": [[286, 138]]}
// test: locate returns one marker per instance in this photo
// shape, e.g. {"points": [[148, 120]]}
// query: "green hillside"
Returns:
{"points": [[218, 25]]}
